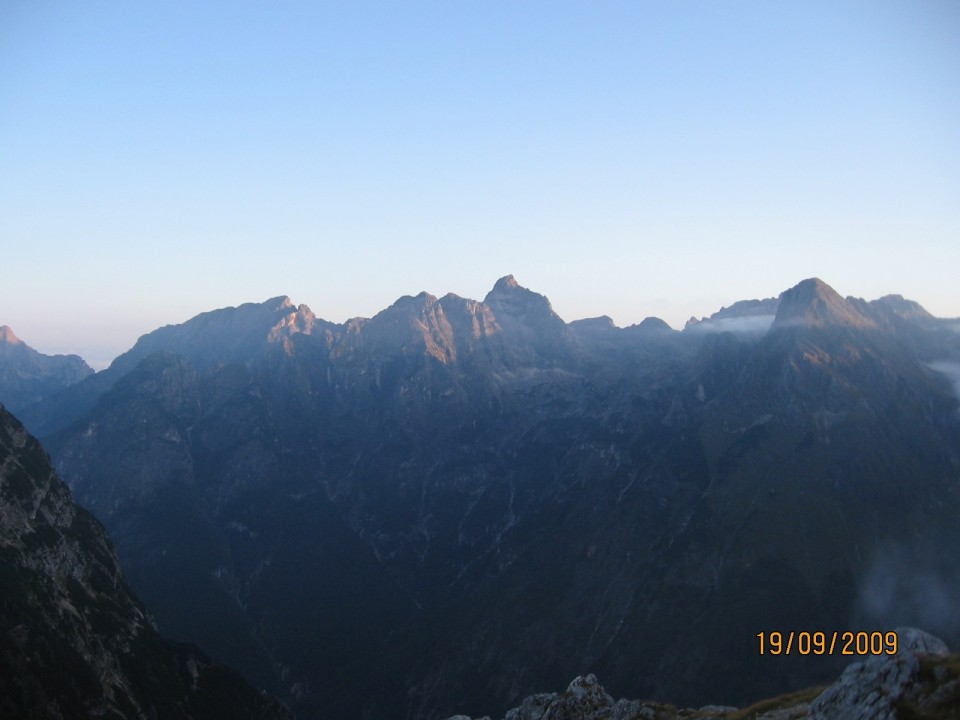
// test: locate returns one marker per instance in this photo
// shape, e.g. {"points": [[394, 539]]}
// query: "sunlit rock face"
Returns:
{"points": [[74, 641], [488, 500]]}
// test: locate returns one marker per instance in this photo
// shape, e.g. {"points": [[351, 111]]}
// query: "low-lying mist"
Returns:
{"points": [[738, 325], [917, 586], [951, 369]]}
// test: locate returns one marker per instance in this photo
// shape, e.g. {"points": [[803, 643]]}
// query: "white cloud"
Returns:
{"points": [[738, 325]]}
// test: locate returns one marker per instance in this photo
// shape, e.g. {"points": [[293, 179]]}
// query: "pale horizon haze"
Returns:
{"points": [[158, 160]]}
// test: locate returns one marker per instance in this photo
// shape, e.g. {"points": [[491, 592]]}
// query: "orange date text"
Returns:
{"points": [[827, 643]]}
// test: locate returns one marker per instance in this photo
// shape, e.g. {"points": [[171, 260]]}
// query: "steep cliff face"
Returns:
{"points": [[488, 500], [74, 641], [27, 376]]}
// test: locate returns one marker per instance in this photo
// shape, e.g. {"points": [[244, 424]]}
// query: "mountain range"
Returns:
{"points": [[456, 503]]}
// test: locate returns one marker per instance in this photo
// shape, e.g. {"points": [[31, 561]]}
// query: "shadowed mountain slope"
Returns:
{"points": [[74, 641]]}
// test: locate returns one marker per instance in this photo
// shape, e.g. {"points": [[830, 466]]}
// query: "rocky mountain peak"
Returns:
{"points": [[411, 322], [510, 297], [279, 302], [813, 303], [27, 375], [653, 324], [902, 307], [507, 282], [7, 336], [527, 320]]}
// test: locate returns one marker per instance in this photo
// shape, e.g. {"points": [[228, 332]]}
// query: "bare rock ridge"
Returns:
{"points": [[27, 376], [74, 641], [412, 325], [218, 336], [921, 681]]}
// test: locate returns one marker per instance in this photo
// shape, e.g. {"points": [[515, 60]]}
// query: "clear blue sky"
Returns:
{"points": [[159, 159]]}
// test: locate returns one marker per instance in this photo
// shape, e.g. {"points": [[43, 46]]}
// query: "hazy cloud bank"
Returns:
{"points": [[753, 324], [951, 369], [919, 587]]}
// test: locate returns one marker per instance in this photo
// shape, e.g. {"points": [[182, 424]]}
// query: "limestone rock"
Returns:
{"points": [[873, 688]]}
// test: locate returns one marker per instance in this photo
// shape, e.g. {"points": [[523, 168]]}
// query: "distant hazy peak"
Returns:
{"points": [[743, 316], [7, 336], [653, 324], [27, 375], [900, 306], [748, 308], [813, 303], [603, 322]]}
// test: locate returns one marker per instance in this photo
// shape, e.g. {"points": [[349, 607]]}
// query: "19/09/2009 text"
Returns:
{"points": [[827, 643]]}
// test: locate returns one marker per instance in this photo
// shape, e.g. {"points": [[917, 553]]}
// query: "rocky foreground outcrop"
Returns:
{"points": [[74, 640], [920, 682]]}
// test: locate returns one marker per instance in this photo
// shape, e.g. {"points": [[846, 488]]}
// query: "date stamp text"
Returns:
{"points": [[827, 643]]}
